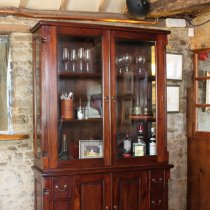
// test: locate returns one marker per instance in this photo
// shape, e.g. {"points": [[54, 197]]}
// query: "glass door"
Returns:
{"points": [[202, 87], [80, 99], [135, 90]]}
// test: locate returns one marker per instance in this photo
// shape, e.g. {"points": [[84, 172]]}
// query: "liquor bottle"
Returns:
{"points": [[152, 143], [64, 152], [139, 147], [127, 146]]}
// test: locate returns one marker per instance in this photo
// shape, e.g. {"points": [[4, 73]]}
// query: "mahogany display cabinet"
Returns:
{"points": [[94, 86]]}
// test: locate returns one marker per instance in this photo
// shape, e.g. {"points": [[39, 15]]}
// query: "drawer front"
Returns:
{"points": [[62, 205], [157, 200], [157, 179], [62, 187]]}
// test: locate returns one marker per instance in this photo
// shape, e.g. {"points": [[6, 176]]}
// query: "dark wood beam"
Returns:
{"points": [[70, 15], [165, 8]]}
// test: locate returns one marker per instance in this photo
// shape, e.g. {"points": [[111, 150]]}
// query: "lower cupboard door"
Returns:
{"points": [[92, 192], [62, 205], [131, 191]]}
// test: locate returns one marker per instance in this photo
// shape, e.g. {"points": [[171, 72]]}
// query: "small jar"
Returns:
{"points": [[80, 113]]}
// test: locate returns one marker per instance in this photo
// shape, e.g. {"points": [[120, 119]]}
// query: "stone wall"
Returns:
{"points": [[178, 42], [202, 32], [16, 157]]}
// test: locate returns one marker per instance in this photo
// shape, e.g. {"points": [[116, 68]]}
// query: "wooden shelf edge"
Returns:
{"points": [[9, 137]]}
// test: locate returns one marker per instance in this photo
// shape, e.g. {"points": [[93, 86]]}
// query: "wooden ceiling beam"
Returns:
{"points": [[23, 3], [166, 8], [64, 4], [71, 15]]}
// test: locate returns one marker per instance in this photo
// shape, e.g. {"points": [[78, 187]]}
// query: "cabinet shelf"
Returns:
{"points": [[142, 77], [79, 75], [142, 117], [80, 121]]}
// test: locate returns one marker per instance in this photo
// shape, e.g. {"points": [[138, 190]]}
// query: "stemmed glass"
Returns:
{"points": [[119, 62], [87, 56], [127, 61], [80, 57], [65, 58], [140, 60], [73, 58]]}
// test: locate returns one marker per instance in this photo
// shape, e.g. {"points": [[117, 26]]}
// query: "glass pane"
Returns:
{"points": [[37, 95], [203, 119], [80, 113], [136, 97], [204, 64], [4, 84], [203, 91]]}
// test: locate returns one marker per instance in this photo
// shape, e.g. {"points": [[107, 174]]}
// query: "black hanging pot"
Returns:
{"points": [[138, 8]]}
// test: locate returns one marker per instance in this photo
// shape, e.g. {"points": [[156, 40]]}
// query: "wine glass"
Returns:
{"points": [[127, 61], [140, 60], [80, 57], [87, 55], [73, 58], [65, 58], [119, 62]]}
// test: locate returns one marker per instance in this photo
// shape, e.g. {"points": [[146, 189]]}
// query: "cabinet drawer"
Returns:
{"points": [[64, 205], [157, 201], [62, 187], [157, 179]]}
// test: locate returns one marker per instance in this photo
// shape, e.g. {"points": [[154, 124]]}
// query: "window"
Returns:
{"points": [[5, 85], [202, 90]]}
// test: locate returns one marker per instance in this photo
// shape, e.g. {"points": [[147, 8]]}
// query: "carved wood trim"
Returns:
{"points": [[6, 137]]}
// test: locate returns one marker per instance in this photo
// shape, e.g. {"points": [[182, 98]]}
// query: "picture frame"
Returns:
{"points": [[173, 98], [174, 66], [90, 149]]}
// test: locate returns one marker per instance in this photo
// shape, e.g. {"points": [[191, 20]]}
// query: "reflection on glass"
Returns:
{"points": [[203, 64], [203, 119], [81, 135], [203, 91], [136, 97]]}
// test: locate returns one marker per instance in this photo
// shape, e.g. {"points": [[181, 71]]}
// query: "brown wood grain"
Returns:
{"points": [[123, 183], [9, 137]]}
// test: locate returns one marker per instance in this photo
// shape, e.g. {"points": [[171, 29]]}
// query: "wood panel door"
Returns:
{"points": [[198, 131], [131, 191], [93, 192]]}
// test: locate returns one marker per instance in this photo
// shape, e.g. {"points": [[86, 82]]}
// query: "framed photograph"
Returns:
{"points": [[172, 98], [90, 149], [174, 66]]}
